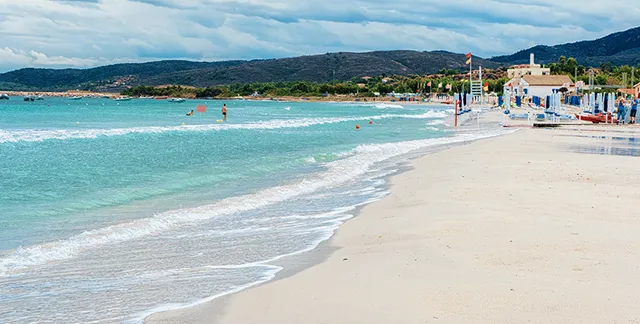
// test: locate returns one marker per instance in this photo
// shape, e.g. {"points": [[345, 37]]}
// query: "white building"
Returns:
{"points": [[538, 85], [518, 71]]}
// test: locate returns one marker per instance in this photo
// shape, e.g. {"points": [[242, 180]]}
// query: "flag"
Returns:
{"points": [[469, 55], [201, 108], [469, 61], [429, 84], [486, 88], [486, 84]]}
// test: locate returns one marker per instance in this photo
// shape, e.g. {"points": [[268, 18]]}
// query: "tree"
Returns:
{"points": [[562, 60], [606, 67]]}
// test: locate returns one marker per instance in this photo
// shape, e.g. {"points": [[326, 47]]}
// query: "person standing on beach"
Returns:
{"points": [[621, 112], [224, 112], [634, 111]]}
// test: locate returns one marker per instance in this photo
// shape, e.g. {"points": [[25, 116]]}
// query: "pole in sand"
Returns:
{"points": [[455, 118]]}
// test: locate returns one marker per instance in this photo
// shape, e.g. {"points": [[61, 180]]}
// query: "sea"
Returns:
{"points": [[111, 211]]}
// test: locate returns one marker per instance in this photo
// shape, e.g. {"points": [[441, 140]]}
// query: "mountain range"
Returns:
{"points": [[314, 68], [618, 48]]}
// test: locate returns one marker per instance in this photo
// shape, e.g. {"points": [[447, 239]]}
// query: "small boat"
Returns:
{"points": [[39, 98], [29, 98], [176, 100], [597, 118], [75, 98], [105, 97], [4, 96], [147, 97], [122, 99]]}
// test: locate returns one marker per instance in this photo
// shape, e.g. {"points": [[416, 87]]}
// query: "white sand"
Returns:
{"points": [[516, 229]]}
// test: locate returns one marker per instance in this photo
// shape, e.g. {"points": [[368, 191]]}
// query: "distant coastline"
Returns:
{"points": [[60, 94], [331, 98]]}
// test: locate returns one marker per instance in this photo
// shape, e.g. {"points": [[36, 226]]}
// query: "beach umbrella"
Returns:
{"points": [[507, 99], [585, 101]]}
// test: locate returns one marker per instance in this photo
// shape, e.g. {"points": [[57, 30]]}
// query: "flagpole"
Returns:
{"points": [[470, 71]]}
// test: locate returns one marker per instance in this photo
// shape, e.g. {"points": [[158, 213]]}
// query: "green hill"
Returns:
{"points": [[313, 68], [619, 48]]}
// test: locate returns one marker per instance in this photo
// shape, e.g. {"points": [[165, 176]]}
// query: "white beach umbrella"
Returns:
{"points": [[585, 101], [601, 102]]}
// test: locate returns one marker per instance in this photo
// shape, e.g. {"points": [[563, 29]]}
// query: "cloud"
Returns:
{"points": [[84, 33]]}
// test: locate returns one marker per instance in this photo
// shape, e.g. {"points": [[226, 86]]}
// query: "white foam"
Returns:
{"points": [[388, 106], [36, 135], [435, 122], [269, 274], [270, 270], [337, 173]]}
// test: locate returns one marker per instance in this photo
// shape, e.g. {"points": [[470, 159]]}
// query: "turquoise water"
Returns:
{"points": [[136, 207]]}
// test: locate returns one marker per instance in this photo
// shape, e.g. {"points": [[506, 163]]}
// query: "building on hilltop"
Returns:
{"points": [[538, 85], [518, 71]]}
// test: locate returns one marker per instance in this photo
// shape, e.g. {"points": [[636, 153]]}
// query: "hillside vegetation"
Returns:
{"points": [[622, 48], [314, 68]]}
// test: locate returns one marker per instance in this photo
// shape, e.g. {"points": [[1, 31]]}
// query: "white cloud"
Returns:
{"points": [[76, 33]]}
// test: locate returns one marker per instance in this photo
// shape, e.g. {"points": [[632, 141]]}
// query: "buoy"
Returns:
{"points": [[357, 126], [219, 120], [371, 122]]}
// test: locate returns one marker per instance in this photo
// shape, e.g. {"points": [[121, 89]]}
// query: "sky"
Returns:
{"points": [[86, 33]]}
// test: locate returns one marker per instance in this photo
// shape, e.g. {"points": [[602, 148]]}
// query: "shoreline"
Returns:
{"points": [[352, 248], [330, 99], [300, 261]]}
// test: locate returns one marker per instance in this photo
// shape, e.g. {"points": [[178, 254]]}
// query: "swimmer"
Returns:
{"points": [[224, 111], [190, 113]]}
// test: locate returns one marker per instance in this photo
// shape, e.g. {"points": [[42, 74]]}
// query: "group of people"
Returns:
{"points": [[622, 111], [224, 112]]}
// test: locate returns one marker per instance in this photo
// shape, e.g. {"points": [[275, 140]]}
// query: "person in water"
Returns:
{"points": [[224, 111], [634, 111], [190, 113]]}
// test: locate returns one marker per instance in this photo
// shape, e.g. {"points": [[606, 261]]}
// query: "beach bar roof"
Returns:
{"points": [[548, 80]]}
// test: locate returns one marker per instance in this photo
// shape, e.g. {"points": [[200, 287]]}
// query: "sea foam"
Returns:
{"points": [[337, 172], [36, 135]]}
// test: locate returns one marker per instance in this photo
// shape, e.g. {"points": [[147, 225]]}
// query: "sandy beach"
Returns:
{"points": [[539, 226]]}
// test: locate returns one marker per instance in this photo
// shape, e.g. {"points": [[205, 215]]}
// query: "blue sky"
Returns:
{"points": [[85, 33]]}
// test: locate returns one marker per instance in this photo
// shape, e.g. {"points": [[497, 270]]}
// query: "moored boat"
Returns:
{"points": [[75, 98], [176, 100], [4, 96], [29, 98], [122, 99]]}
